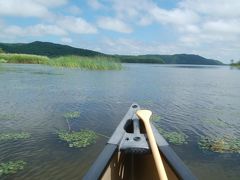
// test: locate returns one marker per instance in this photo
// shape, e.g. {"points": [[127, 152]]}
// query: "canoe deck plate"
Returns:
{"points": [[135, 142]]}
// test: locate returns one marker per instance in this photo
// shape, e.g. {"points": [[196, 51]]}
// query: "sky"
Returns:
{"points": [[210, 28]]}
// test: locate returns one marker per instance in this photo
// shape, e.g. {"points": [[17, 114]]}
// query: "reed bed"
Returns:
{"points": [[23, 58], [237, 64], [90, 63]]}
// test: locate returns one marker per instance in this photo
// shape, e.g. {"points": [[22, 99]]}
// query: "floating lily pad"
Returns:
{"points": [[221, 145], [14, 136], [176, 138], [72, 115], [11, 167], [78, 139]]}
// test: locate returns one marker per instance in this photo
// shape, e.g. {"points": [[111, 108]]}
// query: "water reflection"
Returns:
{"points": [[196, 100]]}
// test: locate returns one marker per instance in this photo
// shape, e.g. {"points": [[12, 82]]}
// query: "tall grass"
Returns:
{"points": [[90, 63], [236, 64], [23, 58]]}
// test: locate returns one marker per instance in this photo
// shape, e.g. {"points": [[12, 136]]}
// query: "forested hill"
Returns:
{"points": [[46, 49], [54, 50], [170, 59]]}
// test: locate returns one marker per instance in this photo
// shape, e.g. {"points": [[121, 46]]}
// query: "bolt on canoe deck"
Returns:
{"points": [[127, 154]]}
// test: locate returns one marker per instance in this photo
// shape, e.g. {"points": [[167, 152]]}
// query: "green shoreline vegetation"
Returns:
{"points": [[237, 64], [89, 63]]}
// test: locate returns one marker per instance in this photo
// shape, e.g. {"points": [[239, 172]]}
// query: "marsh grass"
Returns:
{"points": [[78, 139], [3, 60], [221, 145], [23, 58], [177, 138], [14, 136], [11, 167], [90, 63]]}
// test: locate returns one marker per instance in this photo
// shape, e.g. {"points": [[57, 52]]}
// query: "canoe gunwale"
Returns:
{"points": [[100, 165], [98, 168]]}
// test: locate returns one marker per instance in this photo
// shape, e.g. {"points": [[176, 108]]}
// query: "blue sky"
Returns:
{"points": [[208, 28]]}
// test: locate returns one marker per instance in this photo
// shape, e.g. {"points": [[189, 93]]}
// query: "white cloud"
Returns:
{"points": [[51, 3], [174, 17], [75, 10], [35, 30], [25, 8], [114, 24], [76, 25], [95, 4], [41, 29], [66, 40], [223, 27], [213, 8]]}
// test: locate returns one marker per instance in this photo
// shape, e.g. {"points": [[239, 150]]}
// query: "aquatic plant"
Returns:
{"points": [[8, 117], [155, 118], [72, 115], [217, 122], [237, 64], [24, 58], [3, 61], [145, 102], [176, 138], [90, 63], [221, 145], [78, 139], [14, 136], [11, 167], [69, 116]]}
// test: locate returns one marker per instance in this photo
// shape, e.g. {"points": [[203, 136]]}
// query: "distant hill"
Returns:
{"points": [[46, 49], [54, 50]]}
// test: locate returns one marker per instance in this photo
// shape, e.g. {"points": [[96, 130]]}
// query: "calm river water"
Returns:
{"points": [[34, 98]]}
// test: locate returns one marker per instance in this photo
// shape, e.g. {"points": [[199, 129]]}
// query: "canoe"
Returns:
{"points": [[127, 154]]}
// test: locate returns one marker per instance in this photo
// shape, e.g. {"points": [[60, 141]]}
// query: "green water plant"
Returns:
{"points": [[177, 138], [217, 122], [82, 62], [155, 118], [222, 145], [78, 139], [7, 117], [23, 58], [14, 136], [89, 63], [72, 115], [11, 167], [3, 61]]}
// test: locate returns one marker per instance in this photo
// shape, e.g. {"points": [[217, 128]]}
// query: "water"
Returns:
{"points": [[34, 98]]}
